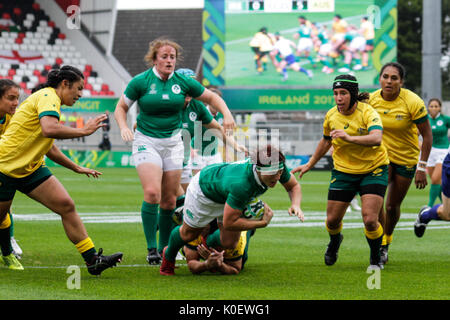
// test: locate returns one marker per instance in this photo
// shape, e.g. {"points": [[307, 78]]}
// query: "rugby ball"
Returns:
{"points": [[254, 210]]}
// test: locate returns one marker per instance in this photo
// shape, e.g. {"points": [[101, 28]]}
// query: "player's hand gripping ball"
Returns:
{"points": [[254, 210]]}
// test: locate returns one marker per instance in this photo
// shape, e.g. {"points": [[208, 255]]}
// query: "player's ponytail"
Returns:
{"points": [[363, 96], [69, 73]]}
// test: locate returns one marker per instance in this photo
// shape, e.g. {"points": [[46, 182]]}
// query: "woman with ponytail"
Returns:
{"points": [[404, 116], [28, 138], [355, 131]]}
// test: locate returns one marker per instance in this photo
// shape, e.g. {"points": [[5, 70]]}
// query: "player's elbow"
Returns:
{"points": [[48, 131]]}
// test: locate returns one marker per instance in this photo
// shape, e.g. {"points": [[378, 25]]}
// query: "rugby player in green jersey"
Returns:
{"points": [[222, 192], [157, 144], [440, 123]]}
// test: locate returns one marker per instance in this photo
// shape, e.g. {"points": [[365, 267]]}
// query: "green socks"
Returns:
{"points": [[175, 244], [154, 217], [149, 214], [435, 192], [165, 227]]}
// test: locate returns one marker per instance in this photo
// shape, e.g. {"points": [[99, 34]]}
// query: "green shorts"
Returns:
{"points": [[344, 186], [9, 186], [404, 171]]}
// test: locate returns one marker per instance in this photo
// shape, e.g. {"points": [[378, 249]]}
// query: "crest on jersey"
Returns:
{"points": [[192, 116], [152, 89], [176, 89]]}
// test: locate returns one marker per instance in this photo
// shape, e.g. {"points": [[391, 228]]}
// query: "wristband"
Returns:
{"points": [[421, 169], [423, 162]]}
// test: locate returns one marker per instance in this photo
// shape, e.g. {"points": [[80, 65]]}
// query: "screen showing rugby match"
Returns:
{"points": [[308, 42]]}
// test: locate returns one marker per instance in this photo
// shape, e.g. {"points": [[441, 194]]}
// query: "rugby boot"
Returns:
{"points": [[100, 263], [331, 254]]}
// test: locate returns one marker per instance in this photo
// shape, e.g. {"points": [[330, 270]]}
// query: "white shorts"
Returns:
{"points": [[436, 156], [167, 153], [358, 44], [305, 44], [186, 174], [325, 49], [199, 210], [199, 162]]}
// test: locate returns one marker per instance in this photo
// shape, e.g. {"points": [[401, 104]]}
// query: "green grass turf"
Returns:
{"points": [[284, 262]]}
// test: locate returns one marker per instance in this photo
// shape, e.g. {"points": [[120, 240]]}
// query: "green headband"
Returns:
{"points": [[345, 80]]}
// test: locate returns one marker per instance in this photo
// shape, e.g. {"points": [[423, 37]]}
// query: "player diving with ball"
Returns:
{"points": [[222, 192]]}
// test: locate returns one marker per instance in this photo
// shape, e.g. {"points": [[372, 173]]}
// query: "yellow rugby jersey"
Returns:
{"points": [[4, 123], [399, 119], [339, 26], [350, 157], [23, 146], [229, 254], [368, 30]]}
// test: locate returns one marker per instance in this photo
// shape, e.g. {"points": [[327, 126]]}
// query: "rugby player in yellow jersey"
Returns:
{"points": [[30, 136], [355, 131], [9, 100], [201, 258], [404, 115]]}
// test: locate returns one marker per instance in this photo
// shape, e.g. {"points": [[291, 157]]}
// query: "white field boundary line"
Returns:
{"points": [[178, 263], [281, 219]]}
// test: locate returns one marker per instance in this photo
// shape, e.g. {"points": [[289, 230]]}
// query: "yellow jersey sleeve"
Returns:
{"points": [[48, 105], [23, 146], [326, 123]]}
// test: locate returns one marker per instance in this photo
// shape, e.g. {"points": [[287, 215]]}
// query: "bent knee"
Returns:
{"points": [[152, 195], [66, 206]]}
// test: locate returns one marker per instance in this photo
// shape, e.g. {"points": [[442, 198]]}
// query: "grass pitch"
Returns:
{"points": [[285, 259]]}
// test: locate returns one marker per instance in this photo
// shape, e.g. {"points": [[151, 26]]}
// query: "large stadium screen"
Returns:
{"points": [[284, 54], [301, 43]]}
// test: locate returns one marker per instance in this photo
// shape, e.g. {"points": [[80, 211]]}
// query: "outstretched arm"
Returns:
{"points": [[322, 148], [60, 158]]}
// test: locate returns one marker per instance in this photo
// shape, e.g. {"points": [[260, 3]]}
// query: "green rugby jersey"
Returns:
{"points": [[161, 102], [209, 142], [235, 183], [195, 113], [304, 31], [439, 128]]}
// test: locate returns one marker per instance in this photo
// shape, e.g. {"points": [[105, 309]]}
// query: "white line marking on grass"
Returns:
{"points": [[118, 266], [281, 219]]}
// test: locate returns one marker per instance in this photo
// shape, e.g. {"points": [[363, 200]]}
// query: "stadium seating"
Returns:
{"points": [[31, 44]]}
